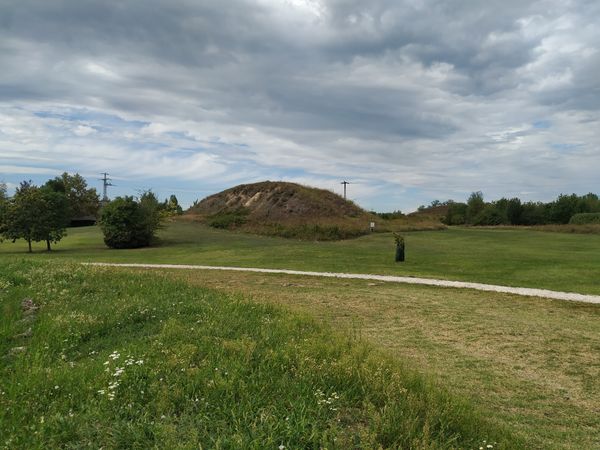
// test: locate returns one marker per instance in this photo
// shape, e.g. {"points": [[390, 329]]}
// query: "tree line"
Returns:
{"points": [[513, 211], [43, 213]]}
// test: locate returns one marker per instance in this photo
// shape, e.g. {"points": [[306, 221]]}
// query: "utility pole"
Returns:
{"points": [[345, 183], [105, 183]]}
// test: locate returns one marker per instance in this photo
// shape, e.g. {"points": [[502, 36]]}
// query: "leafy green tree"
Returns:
{"points": [[457, 214], [152, 210], [55, 217], [127, 223], [490, 215], [170, 207], [475, 205], [589, 203], [83, 201], [514, 211], [173, 206], [35, 214], [563, 208], [22, 214], [3, 207]]}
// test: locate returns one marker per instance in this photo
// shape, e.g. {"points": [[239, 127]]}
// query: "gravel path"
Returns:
{"points": [[529, 292]]}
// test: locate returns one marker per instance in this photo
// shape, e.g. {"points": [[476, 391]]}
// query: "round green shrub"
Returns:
{"points": [[585, 219], [127, 223]]}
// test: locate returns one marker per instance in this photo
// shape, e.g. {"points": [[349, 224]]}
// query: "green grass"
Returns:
{"points": [[532, 364], [123, 360], [558, 261], [529, 365]]}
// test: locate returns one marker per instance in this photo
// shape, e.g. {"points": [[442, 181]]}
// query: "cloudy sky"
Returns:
{"points": [[410, 100]]}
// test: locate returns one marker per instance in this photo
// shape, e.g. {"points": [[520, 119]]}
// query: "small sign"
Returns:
{"points": [[372, 226]]}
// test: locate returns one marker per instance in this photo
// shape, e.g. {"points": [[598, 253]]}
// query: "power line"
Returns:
{"points": [[105, 183], [345, 183]]}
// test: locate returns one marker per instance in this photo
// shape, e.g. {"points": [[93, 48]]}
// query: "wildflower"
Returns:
{"points": [[281, 447], [55, 387]]}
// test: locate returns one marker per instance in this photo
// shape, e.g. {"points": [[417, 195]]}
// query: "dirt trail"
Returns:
{"points": [[529, 292]]}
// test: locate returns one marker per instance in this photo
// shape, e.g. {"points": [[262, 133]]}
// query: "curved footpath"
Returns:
{"points": [[529, 292]]}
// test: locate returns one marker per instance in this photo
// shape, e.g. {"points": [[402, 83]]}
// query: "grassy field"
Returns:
{"points": [[565, 262], [111, 359], [532, 364], [527, 365]]}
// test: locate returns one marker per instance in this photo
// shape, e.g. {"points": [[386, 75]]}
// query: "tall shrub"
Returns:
{"points": [[457, 214], [127, 223], [585, 219], [475, 205]]}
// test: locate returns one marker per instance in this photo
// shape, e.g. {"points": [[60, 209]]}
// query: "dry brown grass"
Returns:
{"points": [[275, 201], [294, 211], [533, 363]]}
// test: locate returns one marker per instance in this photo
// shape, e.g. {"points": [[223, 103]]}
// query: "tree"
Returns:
{"points": [[3, 210], [82, 201], [475, 205], [173, 206], [457, 214], [514, 211], [151, 209], [563, 208], [532, 214], [55, 217], [35, 214], [127, 223], [490, 215], [589, 203], [21, 214]]}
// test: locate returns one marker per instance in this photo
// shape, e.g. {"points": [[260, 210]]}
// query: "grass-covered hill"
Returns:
{"points": [[287, 209]]}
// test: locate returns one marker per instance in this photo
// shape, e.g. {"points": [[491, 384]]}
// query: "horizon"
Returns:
{"points": [[187, 206]]}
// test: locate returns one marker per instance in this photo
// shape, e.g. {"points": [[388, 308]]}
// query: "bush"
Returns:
{"points": [[585, 219], [389, 215], [127, 223], [457, 214], [228, 220], [489, 216]]}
